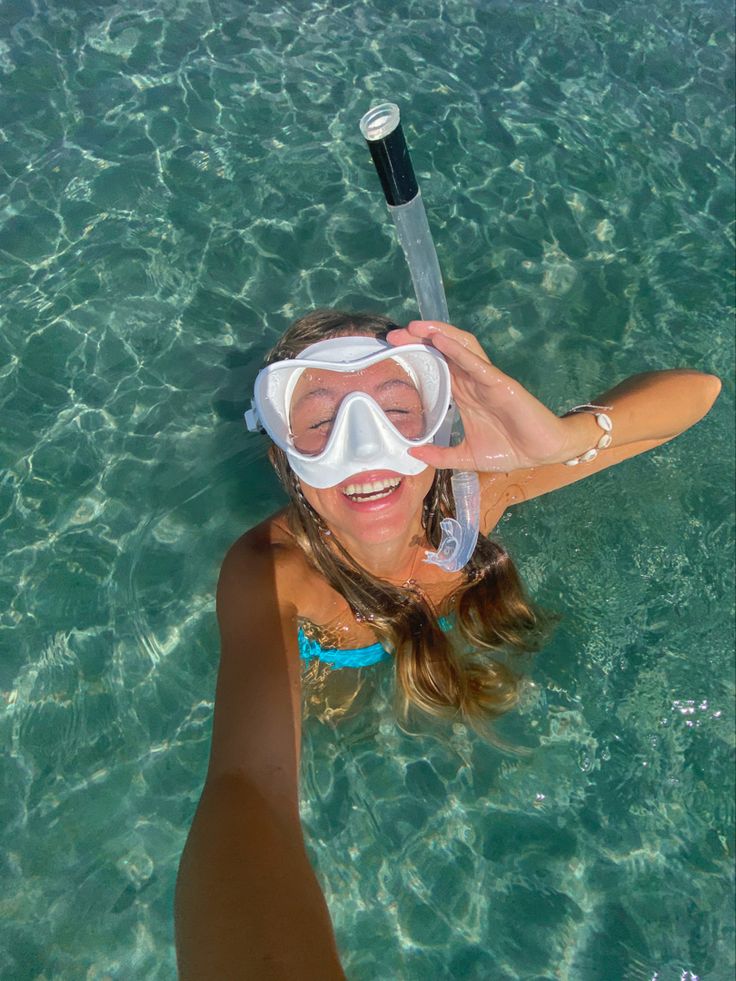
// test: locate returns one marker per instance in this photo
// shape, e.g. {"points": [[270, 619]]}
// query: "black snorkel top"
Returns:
{"points": [[381, 127]]}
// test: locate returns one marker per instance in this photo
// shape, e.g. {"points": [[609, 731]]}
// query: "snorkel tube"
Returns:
{"points": [[381, 127]]}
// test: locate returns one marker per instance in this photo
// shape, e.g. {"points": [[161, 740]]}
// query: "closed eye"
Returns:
{"points": [[324, 422]]}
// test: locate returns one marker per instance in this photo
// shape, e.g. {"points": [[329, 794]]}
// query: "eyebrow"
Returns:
{"points": [[318, 393], [396, 381]]}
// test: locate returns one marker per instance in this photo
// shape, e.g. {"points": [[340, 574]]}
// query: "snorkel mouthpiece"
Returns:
{"points": [[381, 127], [460, 534]]}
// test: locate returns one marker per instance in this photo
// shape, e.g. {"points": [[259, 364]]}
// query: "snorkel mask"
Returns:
{"points": [[353, 404]]}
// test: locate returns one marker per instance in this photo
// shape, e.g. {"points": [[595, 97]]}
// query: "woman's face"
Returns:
{"points": [[370, 506]]}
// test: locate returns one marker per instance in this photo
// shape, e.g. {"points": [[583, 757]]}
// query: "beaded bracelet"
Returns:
{"points": [[603, 421]]}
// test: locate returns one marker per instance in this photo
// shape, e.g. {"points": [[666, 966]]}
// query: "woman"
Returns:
{"points": [[355, 406]]}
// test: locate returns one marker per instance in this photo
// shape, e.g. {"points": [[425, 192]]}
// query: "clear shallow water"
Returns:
{"points": [[177, 182]]}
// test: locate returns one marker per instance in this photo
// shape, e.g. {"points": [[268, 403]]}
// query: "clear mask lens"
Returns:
{"points": [[320, 395]]}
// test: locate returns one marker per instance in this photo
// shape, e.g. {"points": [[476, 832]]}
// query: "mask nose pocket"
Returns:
{"points": [[362, 431]]}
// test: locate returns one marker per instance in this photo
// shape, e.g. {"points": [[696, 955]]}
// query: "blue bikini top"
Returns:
{"points": [[356, 657]]}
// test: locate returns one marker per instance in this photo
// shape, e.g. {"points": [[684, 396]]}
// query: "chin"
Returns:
{"points": [[372, 507]]}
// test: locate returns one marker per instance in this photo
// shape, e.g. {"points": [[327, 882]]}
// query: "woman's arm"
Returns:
{"points": [[646, 410], [652, 406], [248, 904], [520, 447]]}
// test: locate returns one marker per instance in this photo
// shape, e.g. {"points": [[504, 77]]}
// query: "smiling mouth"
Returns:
{"points": [[372, 491]]}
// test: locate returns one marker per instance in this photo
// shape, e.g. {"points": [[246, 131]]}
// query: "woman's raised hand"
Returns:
{"points": [[506, 428]]}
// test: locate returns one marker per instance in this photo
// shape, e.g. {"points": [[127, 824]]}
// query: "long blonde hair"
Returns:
{"points": [[490, 608]]}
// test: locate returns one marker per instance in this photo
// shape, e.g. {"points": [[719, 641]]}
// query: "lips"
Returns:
{"points": [[374, 490]]}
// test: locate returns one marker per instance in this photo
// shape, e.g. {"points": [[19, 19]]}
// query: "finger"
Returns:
{"points": [[472, 361], [450, 341], [440, 457], [429, 329], [401, 335]]}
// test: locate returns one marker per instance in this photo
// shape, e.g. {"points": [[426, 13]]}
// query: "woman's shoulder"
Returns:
{"points": [[268, 545], [269, 556]]}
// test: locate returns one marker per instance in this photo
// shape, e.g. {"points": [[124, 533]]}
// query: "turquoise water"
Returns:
{"points": [[178, 181]]}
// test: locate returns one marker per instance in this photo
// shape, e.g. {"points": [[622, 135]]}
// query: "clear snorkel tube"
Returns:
{"points": [[381, 127]]}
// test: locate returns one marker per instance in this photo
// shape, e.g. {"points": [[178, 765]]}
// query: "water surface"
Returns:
{"points": [[178, 181]]}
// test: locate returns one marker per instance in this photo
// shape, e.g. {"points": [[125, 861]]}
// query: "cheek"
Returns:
{"points": [[320, 500], [424, 481]]}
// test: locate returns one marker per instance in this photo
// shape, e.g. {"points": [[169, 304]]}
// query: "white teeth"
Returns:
{"points": [[375, 489]]}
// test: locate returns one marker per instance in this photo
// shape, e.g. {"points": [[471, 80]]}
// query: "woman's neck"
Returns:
{"points": [[401, 562], [396, 561]]}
